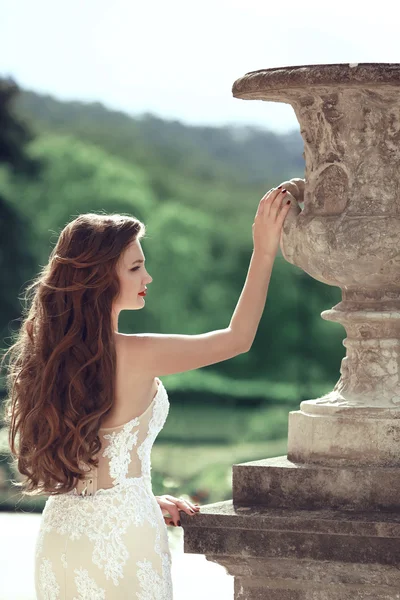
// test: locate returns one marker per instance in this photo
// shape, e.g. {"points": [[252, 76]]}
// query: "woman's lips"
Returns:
{"points": [[142, 293]]}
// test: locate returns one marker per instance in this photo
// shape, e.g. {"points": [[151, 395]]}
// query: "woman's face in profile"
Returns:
{"points": [[133, 278]]}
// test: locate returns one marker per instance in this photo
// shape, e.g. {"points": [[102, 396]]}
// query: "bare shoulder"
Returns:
{"points": [[133, 386], [127, 345], [131, 362], [131, 351]]}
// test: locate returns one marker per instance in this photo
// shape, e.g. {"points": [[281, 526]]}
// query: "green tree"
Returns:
{"points": [[16, 259], [77, 177]]}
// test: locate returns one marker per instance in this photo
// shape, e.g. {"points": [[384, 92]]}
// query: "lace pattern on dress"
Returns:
{"points": [[110, 516], [87, 587], [159, 416], [153, 586], [48, 585], [118, 451], [150, 581]]}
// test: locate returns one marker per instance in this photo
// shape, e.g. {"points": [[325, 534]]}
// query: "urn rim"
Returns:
{"points": [[304, 76]]}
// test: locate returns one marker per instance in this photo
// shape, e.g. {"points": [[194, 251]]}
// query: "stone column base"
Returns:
{"points": [[282, 483], [334, 435]]}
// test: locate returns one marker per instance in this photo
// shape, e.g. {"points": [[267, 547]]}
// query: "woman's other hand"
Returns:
{"points": [[171, 506]]}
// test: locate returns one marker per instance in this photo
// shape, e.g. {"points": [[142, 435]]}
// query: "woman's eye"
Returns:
{"points": [[135, 269]]}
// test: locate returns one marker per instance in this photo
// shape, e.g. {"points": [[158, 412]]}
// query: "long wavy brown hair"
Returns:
{"points": [[61, 365]]}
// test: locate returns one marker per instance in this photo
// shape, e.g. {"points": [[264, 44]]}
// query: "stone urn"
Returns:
{"points": [[324, 521], [347, 235]]}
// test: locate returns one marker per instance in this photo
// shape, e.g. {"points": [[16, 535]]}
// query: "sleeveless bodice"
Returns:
{"points": [[126, 449]]}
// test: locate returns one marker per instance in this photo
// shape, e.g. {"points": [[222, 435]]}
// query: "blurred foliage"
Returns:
{"points": [[204, 471], [75, 177], [17, 261]]}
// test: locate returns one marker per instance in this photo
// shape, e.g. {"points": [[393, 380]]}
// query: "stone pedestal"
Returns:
{"points": [[323, 523]]}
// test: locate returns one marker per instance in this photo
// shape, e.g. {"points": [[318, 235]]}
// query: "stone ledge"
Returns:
{"points": [[281, 483], [254, 531], [228, 515]]}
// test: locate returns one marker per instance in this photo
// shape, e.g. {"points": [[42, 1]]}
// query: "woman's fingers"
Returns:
{"points": [[277, 203], [270, 198], [172, 506], [261, 204], [284, 211], [173, 519], [186, 506]]}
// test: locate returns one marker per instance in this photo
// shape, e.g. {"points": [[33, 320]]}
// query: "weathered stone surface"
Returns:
{"points": [[281, 483], [350, 436], [347, 235], [302, 574], [324, 522], [257, 84], [249, 589], [262, 532], [304, 554]]}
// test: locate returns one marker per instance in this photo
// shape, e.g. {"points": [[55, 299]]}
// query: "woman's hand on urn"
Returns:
{"points": [[171, 506], [295, 189], [268, 222]]}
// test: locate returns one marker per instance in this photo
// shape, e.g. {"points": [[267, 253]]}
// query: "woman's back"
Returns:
{"points": [[133, 391], [125, 449], [128, 432]]}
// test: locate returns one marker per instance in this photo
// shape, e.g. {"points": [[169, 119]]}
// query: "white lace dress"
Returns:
{"points": [[107, 539]]}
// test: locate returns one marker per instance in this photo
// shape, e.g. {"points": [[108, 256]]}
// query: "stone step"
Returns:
{"points": [[226, 531], [280, 483]]}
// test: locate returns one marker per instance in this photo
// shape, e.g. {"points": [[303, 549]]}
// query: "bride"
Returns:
{"points": [[86, 403]]}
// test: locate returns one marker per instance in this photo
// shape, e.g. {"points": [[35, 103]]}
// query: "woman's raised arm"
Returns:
{"points": [[156, 354]]}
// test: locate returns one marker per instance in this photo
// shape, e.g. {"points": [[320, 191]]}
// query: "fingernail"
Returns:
{"points": [[288, 202], [283, 191], [280, 187], [179, 523]]}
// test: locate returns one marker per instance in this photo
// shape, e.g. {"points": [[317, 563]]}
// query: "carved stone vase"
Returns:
{"points": [[348, 235], [323, 522]]}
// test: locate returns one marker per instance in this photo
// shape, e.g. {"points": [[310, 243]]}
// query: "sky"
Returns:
{"points": [[178, 59]]}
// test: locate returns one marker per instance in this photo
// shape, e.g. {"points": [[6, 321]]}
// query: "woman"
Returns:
{"points": [[86, 404]]}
